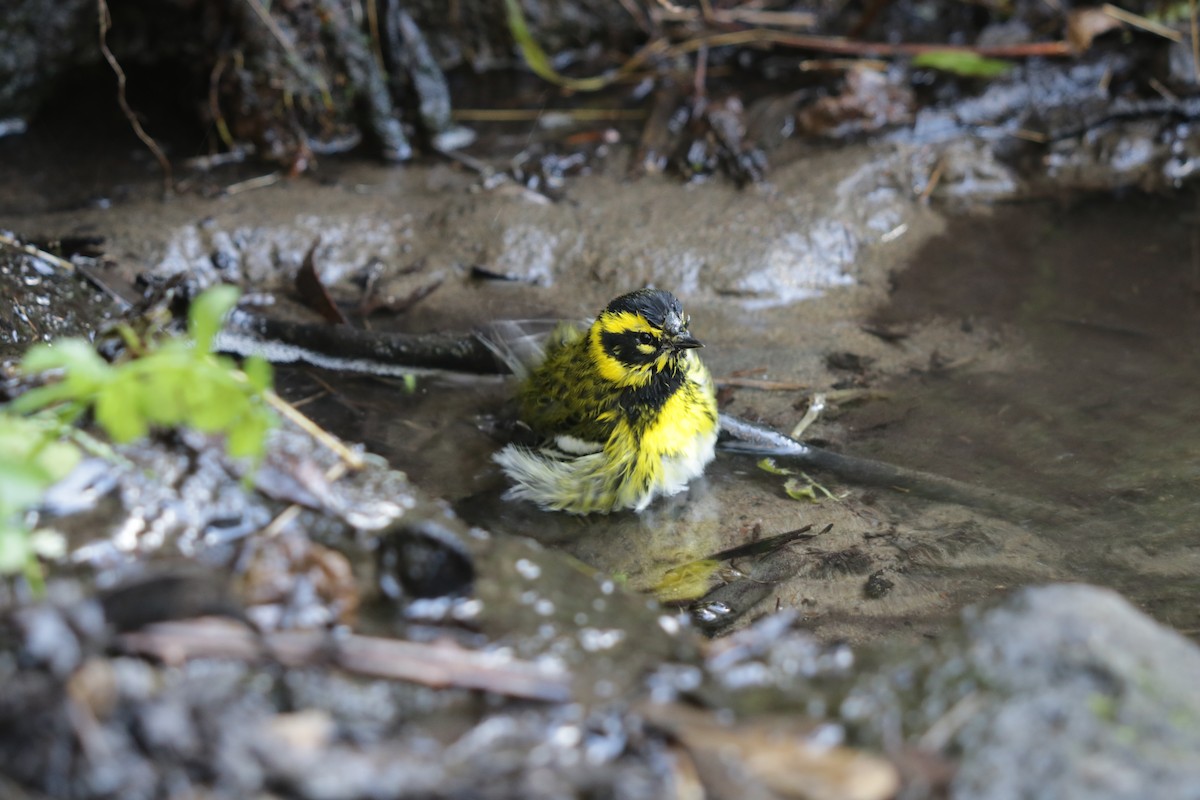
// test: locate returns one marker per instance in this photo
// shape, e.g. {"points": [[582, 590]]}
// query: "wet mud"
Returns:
{"points": [[966, 353], [1043, 350]]}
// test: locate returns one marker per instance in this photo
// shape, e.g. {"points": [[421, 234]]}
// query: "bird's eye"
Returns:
{"points": [[645, 338]]}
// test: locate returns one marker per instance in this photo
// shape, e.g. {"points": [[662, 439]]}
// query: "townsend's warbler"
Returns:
{"points": [[625, 410]]}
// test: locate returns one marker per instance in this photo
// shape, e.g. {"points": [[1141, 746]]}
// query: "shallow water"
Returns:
{"points": [[1077, 389], [1096, 408], [1044, 350]]}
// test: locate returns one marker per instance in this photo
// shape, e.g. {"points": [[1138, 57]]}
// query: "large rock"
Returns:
{"points": [[1064, 691]]}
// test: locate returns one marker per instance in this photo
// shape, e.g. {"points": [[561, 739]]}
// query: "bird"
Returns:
{"points": [[624, 411]]}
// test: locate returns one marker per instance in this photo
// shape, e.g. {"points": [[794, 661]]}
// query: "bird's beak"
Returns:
{"points": [[684, 341]]}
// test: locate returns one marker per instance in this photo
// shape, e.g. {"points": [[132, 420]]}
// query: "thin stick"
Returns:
{"points": [[30, 250], [1195, 29], [935, 177], [837, 44], [745, 16], [352, 459], [281, 521], [147, 139], [1138, 21], [436, 665], [249, 184], [530, 114], [293, 55], [765, 385]]}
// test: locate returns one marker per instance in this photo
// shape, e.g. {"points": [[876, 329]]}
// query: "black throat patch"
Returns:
{"points": [[642, 401]]}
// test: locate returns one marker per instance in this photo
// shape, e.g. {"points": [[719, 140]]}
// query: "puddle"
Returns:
{"points": [[1049, 353], [1097, 311]]}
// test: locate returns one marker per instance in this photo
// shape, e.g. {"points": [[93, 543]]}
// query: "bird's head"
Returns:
{"points": [[640, 335]]}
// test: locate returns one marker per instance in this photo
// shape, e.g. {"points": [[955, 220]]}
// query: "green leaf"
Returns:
{"points": [[57, 459], [259, 373], [218, 406], [42, 397], [797, 490], [163, 391], [537, 59], [248, 436], [118, 411], [21, 485], [208, 313], [15, 551], [768, 465], [77, 356], [962, 62]]}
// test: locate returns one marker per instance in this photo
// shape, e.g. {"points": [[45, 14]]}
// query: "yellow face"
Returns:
{"points": [[639, 336]]}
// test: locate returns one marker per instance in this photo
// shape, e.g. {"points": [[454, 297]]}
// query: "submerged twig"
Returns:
{"points": [[285, 409], [285, 517], [754, 439]]}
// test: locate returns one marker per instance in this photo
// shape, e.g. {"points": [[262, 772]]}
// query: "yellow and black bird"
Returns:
{"points": [[625, 411]]}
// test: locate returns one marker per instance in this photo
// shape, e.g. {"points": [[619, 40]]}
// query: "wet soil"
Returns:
{"points": [[1037, 349]]}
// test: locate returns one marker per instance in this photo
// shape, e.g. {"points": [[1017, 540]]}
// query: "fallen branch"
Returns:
{"points": [[759, 440], [439, 666]]}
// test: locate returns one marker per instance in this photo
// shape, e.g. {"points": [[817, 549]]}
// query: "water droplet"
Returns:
{"points": [[527, 569]]}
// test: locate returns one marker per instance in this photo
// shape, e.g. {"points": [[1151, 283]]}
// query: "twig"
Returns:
{"points": [[293, 55], [281, 521], [352, 459], [65, 265], [744, 16], [765, 385], [839, 64], [214, 103], [1138, 21], [814, 410], [30, 250], [935, 177], [254, 183], [944, 727], [147, 139], [837, 44], [1195, 30], [532, 114], [435, 665], [1163, 91]]}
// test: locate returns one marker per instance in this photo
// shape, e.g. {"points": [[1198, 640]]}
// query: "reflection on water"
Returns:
{"points": [[1097, 409], [1084, 396]]}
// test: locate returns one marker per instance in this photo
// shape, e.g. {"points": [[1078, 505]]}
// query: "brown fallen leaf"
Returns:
{"points": [[779, 753], [1085, 24]]}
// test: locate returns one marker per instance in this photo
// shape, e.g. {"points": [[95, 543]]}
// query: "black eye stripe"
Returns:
{"points": [[623, 346]]}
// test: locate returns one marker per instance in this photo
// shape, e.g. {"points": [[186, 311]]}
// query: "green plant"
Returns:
{"points": [[32, 459], [962, 63], [167, 382]]}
